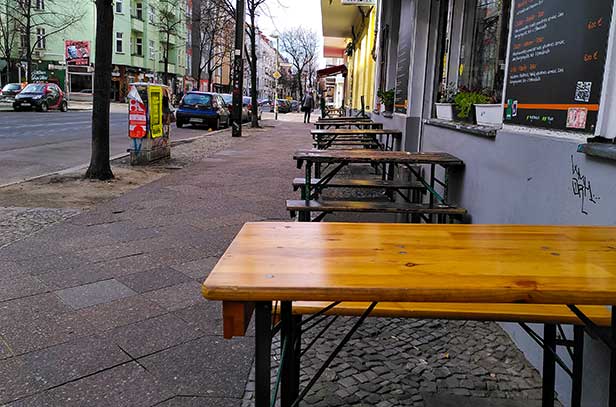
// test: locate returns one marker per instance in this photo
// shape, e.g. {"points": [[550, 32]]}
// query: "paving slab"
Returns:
{"points": [[152, 335], [177, 297], [154, 279], [125, 311], [93, 294]]}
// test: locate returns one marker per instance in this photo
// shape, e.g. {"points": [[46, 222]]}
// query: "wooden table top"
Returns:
{"points": [[344, 118], [377, 156], [294, 261], [373, 132]]}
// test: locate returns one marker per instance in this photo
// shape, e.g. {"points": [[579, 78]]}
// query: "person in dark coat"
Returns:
{"points": [[307, 106]]}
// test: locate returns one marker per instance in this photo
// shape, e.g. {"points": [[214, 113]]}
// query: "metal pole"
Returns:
{"points": [[276, 92], [549, 365], [238, 69]]}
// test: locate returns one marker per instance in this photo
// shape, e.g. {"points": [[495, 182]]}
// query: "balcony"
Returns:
{"points": [[137, 60], [136, 24]]}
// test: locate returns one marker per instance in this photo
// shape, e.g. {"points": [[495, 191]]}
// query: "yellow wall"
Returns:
{"points": [[362, 67]]}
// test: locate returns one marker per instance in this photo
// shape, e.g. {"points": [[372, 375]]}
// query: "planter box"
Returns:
{"points": [[489, 115], [444, 111]]}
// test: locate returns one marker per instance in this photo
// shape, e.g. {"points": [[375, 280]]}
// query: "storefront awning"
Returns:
{"points": [[332, 71]]}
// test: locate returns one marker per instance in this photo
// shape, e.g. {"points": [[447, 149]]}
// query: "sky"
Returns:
{"points": [[279, 15]]}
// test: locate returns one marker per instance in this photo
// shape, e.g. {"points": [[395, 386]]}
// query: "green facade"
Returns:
{"points": [[134, 23]]}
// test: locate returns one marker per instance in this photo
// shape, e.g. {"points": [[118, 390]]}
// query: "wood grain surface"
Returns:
{"points": [[377, 156], [418, 263], [533, 313]]}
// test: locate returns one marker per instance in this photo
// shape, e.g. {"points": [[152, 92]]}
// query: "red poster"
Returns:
{"points": [[77, 52], [137, 115]]}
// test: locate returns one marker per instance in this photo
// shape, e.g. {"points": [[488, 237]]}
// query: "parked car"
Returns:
{"points": [[42, 97], [284, 106], [248, 104], [295, 105], [202, 108], [266, 105], [10, 90], [228, 98]]}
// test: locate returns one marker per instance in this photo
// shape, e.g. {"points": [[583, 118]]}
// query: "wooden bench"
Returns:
{"points": [[327, 207], [359, 183], [549, 315], [531, 313], [348, 124]]}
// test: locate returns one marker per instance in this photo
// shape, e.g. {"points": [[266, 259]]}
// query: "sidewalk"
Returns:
{"points": [[105, 308]]}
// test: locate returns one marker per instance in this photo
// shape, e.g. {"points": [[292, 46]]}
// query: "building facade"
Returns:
{"points": [[139, 44], [266, 66], [549, 66]]}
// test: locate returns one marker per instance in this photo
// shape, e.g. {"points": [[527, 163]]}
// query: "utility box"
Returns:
{"points": [[149, 123]]}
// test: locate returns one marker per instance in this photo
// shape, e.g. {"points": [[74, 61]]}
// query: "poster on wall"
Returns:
{"points": [[77, 52], [137, 115], [556, 63], [155, 104]]}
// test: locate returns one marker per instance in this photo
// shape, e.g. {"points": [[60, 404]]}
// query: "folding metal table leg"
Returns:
{"points": [[263, 351], [613, 361], [549, 365], [289, 378], [578, 366]]}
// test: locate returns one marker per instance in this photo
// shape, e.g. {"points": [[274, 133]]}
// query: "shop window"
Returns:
{"points": [[484, 46], [475, 58], [384, 57]]}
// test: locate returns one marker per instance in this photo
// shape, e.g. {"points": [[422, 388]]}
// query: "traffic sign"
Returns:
{"points": [[276, 75]]}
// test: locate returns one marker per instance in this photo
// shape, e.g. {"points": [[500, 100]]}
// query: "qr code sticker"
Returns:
{"points": [[582, 91]]}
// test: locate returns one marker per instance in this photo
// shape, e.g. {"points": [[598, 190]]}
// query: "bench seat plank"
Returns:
{"points": [[371, 206], [359, 183], [553, 314]]}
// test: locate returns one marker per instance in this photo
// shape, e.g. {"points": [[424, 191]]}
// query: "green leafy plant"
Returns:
{"points": [[387, 98], [465, 100]]}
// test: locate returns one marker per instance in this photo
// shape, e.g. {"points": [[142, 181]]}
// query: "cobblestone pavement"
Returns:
{"points": [[392, 362], [18, 223]]}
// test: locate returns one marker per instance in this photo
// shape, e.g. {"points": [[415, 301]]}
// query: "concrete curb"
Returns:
{"points": [[112, 158]]}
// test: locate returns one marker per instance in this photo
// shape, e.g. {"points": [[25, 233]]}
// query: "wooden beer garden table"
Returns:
{"points": [[326, 138], [348, 124], [333, 262]]}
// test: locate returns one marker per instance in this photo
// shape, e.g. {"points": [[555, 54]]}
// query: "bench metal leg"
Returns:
{"points": [[290, 360], [578, 366], [549, 364], [613, 361], [263, 351]]}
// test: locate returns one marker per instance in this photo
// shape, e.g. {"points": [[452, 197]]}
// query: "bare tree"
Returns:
{"points": [[252, 8], [169, 21], [99, 162], [300, 44], [214, 42], [35, 21], [8, 37]]}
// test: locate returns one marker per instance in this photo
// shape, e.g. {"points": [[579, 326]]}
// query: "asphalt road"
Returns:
{"points": [[33, 143]]}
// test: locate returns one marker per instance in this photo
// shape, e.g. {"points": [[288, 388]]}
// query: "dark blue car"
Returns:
{"points": [[202, 108]]}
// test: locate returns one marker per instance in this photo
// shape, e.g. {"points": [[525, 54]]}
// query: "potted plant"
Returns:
{"points": [[387, 99], [465, 101], [489, 113], [444, 108]]}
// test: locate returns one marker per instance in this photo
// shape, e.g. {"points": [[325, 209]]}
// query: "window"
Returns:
{"points": [[40, 5], [152, 49], [139, 11], [478, 48], [119, 43], [484, 46], [151, 14], [139, 46], [119, 6], [23, 39], [40, 38], [384, 57]]}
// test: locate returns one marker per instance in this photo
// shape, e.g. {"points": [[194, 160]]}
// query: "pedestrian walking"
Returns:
{"points": [[307, 106]]}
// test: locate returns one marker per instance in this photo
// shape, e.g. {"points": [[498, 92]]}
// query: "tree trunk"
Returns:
{"points": [[166, 60], [28, 44], [99, 163]]}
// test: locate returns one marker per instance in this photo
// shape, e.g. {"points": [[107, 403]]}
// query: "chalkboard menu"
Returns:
{"points": [[556, 63], [404, 59]]}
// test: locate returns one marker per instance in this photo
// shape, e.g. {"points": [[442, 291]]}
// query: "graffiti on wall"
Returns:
{"points": [[582, 188]]}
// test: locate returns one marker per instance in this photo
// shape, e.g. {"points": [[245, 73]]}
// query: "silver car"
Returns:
{"points": [[228, 98]]}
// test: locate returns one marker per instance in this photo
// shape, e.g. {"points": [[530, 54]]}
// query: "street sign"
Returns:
{"points": [[276, 75]]}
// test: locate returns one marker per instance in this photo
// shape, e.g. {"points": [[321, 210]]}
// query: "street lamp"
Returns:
{"points": [[276, 75]]}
